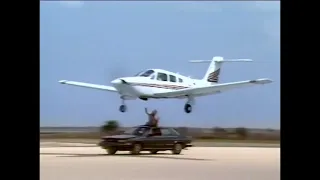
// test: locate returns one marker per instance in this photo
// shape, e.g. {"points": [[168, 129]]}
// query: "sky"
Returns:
{"points": [[96, 42]]}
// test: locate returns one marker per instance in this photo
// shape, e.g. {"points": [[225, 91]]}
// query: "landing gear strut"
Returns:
{"points": [[187, 108]]}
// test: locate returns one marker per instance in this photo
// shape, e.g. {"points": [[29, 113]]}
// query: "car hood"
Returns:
{"points": [[122, 136]]}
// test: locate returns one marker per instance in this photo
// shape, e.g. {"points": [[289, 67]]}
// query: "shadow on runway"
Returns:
{"points": [[155, 156]]}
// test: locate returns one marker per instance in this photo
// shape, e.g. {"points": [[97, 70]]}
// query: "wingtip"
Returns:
{"points": [[268, 80], [261, 81], [62, 81]]}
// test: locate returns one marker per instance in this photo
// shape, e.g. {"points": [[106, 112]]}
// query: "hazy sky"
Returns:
{"points": [[96, 42]]}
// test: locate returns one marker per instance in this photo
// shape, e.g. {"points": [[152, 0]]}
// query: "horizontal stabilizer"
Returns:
{"points": [[221, 60]]}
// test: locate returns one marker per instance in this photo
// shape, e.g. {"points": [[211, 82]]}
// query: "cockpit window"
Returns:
{"points": [[146, 73], [139, 73]]}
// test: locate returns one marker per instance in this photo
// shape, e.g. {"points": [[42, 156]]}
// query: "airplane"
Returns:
{"points": [[163, 84]]}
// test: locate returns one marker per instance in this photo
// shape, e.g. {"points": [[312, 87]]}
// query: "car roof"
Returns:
{"points": [[153, 127]]}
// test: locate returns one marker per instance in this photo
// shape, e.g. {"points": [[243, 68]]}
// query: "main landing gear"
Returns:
{"points": [[187, 108], [188, 105]]}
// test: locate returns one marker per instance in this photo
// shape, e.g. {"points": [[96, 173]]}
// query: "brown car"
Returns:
{"points": [[146, 138]]}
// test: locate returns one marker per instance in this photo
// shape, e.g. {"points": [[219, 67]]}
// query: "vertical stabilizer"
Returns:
{"points": [[214, 69]]}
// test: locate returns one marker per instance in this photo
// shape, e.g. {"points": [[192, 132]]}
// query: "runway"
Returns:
{"points": [[196, 163]]}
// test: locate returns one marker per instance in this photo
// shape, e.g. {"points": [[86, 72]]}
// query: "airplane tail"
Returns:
{"points": [[214, 69]]}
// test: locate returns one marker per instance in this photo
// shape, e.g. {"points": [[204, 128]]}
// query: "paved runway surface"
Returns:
{"points": [[197, 163]]}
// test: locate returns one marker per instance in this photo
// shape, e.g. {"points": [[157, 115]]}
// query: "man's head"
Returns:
{"points": [[154, 112]]}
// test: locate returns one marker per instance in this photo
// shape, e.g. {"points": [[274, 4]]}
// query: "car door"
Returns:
{"points": [[167, 138], [151, 140]]}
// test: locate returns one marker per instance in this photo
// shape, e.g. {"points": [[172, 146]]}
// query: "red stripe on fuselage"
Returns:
{"points": [[164, 86]]}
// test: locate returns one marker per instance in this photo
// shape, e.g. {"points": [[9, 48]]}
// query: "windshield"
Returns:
{"points": [[145, 73], [138, 131], [139, 73]]}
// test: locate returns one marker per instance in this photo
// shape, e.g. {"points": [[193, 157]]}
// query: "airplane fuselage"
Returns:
{"points": [[145, 87]]}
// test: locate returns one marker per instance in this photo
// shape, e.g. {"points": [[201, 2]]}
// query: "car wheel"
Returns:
{"points": [[111, 150], [136, 149], [153, 151], [177, 148]]}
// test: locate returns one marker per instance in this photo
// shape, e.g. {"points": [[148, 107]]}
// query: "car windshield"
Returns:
{"points": [[145, 73], [138, 131]]}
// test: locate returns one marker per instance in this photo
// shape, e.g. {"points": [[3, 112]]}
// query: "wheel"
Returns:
{"points": [[153, 151], [111, 150], [136, 149], [123, 108], [187, 108], [177, 148]]}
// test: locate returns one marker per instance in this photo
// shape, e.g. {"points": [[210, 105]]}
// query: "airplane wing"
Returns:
{"points": [[88, 85], [213, 89]]}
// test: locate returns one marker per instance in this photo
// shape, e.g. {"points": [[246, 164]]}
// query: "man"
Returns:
{"points": [[153, 119]]}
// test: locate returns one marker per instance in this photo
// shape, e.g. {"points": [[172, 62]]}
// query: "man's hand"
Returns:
{"points": [[146, 110]]}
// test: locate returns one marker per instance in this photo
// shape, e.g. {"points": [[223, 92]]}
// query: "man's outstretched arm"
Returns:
{"points": [[146, 110]]}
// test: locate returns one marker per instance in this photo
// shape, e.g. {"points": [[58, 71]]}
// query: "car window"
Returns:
{"points": [[155, 132], [138, 131], [166, 132], [174, 132]]}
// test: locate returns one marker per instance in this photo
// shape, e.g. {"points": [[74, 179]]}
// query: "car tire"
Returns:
{"points": [[177, 148], [111, 150], [136, 149], [153, 151]]}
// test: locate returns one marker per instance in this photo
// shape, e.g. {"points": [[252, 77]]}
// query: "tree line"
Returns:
{"points": [[217, 132]]}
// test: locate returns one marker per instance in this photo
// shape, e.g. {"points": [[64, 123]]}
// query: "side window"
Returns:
{"points": [[155, 132], [180, 80], [173, 132], [172, 78], [166, 132], [162, 77]]}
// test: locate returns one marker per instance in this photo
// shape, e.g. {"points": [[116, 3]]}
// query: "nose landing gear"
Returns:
{"points": [[123, 108]]}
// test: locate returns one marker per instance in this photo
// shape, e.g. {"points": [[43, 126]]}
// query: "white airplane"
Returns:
{"points": [[162, 84]]}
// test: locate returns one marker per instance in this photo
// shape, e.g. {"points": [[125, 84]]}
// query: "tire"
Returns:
{"points": [[136, 149], [177, 148], [187, 108], [123, 108], [153, 151], [111, 150]]}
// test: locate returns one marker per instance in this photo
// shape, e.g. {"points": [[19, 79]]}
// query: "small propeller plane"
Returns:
{"points": [[162, 84]]}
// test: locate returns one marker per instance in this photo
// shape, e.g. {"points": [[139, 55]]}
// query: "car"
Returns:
{"points": [[146, 138]]}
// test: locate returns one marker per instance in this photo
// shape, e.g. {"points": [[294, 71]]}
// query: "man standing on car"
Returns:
{"points": [[153, 119]]}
